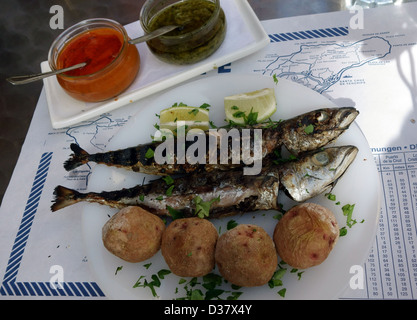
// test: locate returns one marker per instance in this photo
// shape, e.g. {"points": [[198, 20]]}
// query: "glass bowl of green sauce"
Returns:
{"points": [[202, 29]]}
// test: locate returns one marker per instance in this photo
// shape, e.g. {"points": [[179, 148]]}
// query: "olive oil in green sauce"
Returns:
{"points": [[198, 36], [190, 15]]}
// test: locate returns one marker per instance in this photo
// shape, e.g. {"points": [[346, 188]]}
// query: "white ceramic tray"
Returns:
{"points": [[359, 185], [245, 35]]}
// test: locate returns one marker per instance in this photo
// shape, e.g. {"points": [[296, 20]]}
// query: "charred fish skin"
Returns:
{"points": [[65, 197], [316, 129], [133, 158], [236, 193], [313, 174], [231, 192], [306, 132]]}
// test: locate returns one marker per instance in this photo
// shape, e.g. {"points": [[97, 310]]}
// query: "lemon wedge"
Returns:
{"points": [[192, 117], [250, 107]]}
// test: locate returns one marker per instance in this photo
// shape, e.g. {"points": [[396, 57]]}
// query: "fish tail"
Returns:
{"points": [[78, 158], [65, 197]]}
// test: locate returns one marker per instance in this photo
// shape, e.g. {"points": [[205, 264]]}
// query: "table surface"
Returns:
{"points": [[26, 36]]}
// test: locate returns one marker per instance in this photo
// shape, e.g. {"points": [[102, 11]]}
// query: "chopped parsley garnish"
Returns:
{"points": [[118, 269], [249, 120], [279, 159], [309, 129], [207, 288], [342, 231], [169, 191], [176, 104], [252, 118], [163, 272], [156, 281], [175, 214], [149, 154], [331, 196], [231, 224], [168, 180], [205, 106], [202, 208], [238, 114], [348, 212], [282, 292], [271, 124], [151, 285], [276, 279], [278, 216], [194, 111]]}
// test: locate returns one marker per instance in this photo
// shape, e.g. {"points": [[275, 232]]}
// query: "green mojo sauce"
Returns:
{"points": [[199, 36]]}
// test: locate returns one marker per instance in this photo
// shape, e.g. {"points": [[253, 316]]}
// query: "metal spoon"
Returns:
{"points": [[16, 80], [154, 34], [38, 76]]}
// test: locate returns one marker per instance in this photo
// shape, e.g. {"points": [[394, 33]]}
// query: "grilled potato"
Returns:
{"points": [[133, 234], [305, 235], [246, 256], [188, 246]]}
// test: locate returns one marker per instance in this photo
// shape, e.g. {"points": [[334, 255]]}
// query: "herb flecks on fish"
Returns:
{"points": [[306, 132], [228, 192]]}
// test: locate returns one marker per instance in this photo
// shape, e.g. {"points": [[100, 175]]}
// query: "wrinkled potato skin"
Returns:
{"points": [[246, 256], [305, 235], [133, 234], [188, 247]]}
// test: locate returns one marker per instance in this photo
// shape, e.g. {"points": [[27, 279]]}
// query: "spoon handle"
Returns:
{"points": [[153, 34], [34, 77], [16, 80]]}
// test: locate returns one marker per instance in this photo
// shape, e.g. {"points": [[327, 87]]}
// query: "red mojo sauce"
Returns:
{"points": [[98, 47]]}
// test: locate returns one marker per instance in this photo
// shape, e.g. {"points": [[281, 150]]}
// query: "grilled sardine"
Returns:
{"points": [[228, 192], [302, 133]]}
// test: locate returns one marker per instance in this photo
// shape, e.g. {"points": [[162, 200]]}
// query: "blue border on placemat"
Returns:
{"points": [[9, 285], [309, 34]]}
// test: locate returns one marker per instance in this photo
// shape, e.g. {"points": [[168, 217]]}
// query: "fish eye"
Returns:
{"points": [[323, 116], [321, 159]]}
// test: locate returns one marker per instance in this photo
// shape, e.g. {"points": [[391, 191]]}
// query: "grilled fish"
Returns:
{"points": [[227, 192], [302, 133]]}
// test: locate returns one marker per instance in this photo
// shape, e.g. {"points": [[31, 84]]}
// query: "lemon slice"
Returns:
{"points": [[192, 117], [241, 108]]}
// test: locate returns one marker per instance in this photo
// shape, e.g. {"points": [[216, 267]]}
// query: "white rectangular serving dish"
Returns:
{"points": [[245, 35]]}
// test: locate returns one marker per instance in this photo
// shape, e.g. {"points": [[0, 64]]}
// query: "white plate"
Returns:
{"points": [[359, 186], [245, 35]]}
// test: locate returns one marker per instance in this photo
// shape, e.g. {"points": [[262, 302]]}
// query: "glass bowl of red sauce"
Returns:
{"points": [[112, 62]]}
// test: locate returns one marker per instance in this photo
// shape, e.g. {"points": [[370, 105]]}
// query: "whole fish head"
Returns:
{"points": [[313, 173], [315, 129]]}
